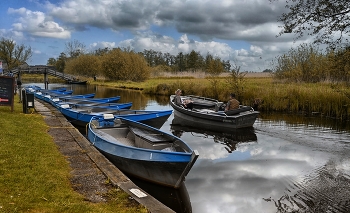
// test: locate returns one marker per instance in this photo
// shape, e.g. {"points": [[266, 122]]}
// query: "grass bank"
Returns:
{"points": [[260, 89], [324, 99], [34, 175]]}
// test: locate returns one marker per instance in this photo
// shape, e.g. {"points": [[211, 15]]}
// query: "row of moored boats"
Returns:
{"points": [[130, 139]]}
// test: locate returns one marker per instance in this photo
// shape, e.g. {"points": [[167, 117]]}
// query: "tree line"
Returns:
{"points": [[327, 21], [126, 64], [192, 61]]}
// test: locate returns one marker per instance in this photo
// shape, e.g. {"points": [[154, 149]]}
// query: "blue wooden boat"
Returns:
{"points": [[49, 96], [55, 93], [89, 105], [34, 88], [58, 92], [82, 100], [141, 150], [80, 116], [42, 96], [67, 96], [58, 89], [83, 96]]}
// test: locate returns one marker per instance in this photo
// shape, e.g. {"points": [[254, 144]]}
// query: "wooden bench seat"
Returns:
{"points": [[148, 135]]}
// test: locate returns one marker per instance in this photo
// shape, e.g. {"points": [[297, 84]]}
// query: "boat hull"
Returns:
{"points": [[150, 161], [152, 118], [211, 120], [77, 82], [162, 173]]}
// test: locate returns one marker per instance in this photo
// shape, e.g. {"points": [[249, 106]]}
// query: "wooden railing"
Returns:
{"points": [[42, 70]]}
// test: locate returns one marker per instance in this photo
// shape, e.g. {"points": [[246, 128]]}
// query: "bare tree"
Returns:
{"points": [[74, 49], [13, 54], [327, 20]]}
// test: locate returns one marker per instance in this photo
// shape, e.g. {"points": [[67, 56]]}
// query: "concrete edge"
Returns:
{"points": [[116, 177]]}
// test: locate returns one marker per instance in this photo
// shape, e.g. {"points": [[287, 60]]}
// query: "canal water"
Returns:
{"points": [[283, 163]]}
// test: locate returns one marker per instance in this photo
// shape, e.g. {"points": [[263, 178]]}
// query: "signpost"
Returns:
{"points": [[7, 88]]}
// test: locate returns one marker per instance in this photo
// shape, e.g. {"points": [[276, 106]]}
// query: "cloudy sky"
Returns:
{"points": [[243, 31]]}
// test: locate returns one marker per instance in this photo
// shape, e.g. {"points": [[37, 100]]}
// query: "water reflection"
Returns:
{"points": [[318, 192], [311, 122], [138, 99], [229, 140], [269, 170], [176, 199], [283, 164]]}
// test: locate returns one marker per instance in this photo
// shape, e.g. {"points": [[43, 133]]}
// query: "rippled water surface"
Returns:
{"points": [[282, 164]]}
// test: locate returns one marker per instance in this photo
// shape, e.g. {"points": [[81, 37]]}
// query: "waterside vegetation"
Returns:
{"points": [[264, 93], [259, 90], [304, 80]]}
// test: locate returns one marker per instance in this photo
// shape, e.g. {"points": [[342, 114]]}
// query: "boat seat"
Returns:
{"points": [[114, 136], [148, 135], [237, 111], [65, 106], [206, 111]]}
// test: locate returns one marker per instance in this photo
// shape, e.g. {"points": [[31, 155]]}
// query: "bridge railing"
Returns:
{"points": [[42, 70]]}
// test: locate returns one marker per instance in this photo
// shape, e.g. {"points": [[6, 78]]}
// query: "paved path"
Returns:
{"points": [[90, 169]]}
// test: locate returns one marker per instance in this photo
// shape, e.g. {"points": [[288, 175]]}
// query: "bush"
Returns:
{"points": [[304, 64], [121, 65], [85, 65]]}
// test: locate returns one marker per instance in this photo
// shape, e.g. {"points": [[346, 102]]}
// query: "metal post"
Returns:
{"points": [[46, 81], [24, 101]]}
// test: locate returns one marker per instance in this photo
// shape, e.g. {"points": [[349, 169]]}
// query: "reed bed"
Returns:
{"points": [[323, 99], [257, 89]]}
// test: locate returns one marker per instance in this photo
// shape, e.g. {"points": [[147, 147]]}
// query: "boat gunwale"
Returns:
{"points": [[144, 149]]}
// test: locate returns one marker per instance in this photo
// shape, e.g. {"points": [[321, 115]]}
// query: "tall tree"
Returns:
{"points": [[13, 54], [181, 61], [215, 67], [51, 62], [193, 60], [74, 49], [327, 20], [208, 59], [61, 62]]}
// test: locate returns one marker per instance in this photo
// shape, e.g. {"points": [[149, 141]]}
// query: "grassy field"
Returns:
{"points": [[34, 175], [324, 99], [256, 89]]}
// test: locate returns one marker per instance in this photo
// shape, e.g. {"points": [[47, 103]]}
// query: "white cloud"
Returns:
{"points": [[37, 24], [36, 51], [102, 45], [165, 44], [203, 26]]}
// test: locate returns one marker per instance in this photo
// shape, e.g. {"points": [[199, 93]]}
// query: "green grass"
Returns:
{"points": [[34, 175], [326, 99]]}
